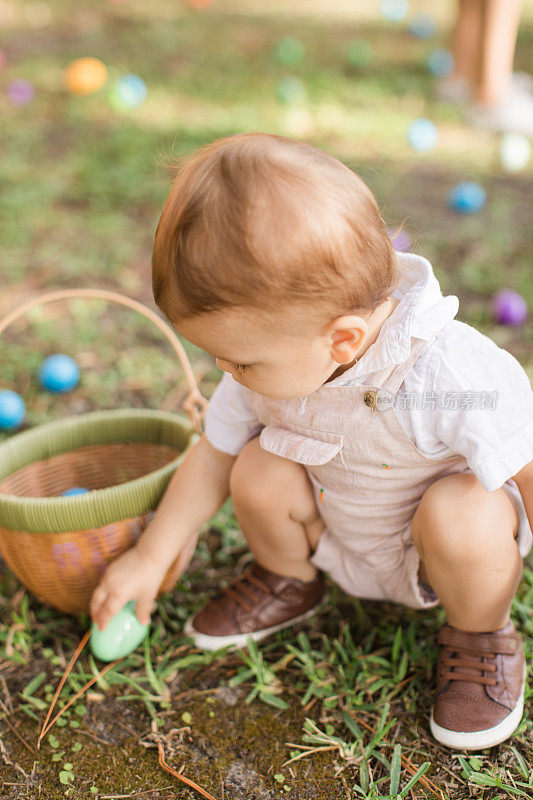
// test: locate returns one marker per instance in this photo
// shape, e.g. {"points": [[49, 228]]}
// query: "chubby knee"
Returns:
{"points": [[456, 516], [459, 494], [257, 474]]}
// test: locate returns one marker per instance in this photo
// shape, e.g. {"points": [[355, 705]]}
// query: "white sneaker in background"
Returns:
{"points": [[514, 114], [523, 80]]}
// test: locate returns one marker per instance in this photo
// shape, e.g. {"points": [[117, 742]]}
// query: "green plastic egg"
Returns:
{"points": [[359, 53], [289, 50], [122, 634], [291, 90]]}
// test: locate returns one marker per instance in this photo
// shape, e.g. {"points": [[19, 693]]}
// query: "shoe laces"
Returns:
{"points": [[237, 588], [468, 656], [454, 662]]}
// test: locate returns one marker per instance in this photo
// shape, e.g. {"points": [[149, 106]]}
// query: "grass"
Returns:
{"points": [[339, 707]]}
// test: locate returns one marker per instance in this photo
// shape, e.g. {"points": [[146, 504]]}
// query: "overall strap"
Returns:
{"points": [[392, 377]]}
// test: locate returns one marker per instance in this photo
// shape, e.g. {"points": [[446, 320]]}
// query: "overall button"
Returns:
{"points": [[370, 400], [379, 398]]}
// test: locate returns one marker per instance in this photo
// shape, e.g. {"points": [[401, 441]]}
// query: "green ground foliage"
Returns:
{"points": [[339, 707]]}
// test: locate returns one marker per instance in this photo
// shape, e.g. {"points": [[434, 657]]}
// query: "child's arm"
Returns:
{"points": [[196, 491], [524, 481], [481, 405]]}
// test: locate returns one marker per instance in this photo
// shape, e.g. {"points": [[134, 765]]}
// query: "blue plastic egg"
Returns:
{"points": [[423, 26], [12, 410], [440, 62], [467, 197], [120, 637], [128, 92], [74, 491], [422, 135], [59, 373], [394, 10]]}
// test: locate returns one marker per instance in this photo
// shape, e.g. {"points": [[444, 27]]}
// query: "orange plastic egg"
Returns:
{"points": [[85, 75], [198, 4]]}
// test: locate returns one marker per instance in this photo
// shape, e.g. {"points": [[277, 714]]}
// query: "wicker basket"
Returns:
{"points": [[59, 546]]}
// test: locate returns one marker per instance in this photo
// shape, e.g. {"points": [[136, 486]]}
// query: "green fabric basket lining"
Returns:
{"points": [[102, 506]]}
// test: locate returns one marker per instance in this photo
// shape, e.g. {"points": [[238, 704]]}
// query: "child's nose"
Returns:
{"points": [[220, 364]]}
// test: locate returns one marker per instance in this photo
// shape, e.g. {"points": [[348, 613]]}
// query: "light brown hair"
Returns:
{"points": [[261, 220]]}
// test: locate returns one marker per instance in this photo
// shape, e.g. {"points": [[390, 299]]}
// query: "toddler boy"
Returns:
{"points": [[360, 429]]}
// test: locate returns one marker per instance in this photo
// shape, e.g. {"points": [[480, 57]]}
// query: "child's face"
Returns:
{"points": [[284, 354]]}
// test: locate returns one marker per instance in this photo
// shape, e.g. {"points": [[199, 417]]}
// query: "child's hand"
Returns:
{"points": [[131, 576]]}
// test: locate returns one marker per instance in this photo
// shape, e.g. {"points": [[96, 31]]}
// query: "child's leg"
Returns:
{"points": [[465, 537], [275, 506], [276, 510]]}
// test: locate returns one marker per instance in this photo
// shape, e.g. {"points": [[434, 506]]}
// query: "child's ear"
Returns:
{"points": [[347, 335]]}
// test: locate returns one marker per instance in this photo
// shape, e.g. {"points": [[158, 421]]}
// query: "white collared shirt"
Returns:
{"points": [[464, 394]]}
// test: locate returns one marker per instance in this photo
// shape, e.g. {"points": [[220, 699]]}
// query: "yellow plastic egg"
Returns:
{"points": [[85, 75]]}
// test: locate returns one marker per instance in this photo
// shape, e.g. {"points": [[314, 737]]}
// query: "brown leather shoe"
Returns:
{"points": [[480, 687], [256, 604]]}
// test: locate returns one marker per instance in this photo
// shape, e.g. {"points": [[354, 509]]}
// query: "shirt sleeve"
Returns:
{"points": [[490, 422], [230, 421]]}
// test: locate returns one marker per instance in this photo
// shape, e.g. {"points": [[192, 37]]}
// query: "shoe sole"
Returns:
{"points": [[206, 642], [479, 740]]}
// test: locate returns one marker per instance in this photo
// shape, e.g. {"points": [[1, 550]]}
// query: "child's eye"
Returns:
{"points": [[239, 367]]}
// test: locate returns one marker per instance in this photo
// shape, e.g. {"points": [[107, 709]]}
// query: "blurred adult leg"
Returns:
{"points": [[467, 40], [499, 29]]}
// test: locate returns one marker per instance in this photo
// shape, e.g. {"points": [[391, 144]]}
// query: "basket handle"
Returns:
{"points": [[195, 404]]}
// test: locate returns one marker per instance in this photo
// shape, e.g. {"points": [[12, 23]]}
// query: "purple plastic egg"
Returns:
{"points": [[401, 241], [509, 307], [21, 92]]}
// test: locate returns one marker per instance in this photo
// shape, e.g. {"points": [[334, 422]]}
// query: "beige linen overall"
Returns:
{"points": [[368, 478]]}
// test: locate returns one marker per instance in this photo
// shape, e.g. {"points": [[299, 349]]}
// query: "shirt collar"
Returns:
{"points": [[422, 311]]}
